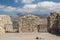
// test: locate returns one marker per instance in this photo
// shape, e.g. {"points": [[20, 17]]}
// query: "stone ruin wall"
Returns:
{"points": [[27, 23], [53, 24], [4, 19], [30, 23]]}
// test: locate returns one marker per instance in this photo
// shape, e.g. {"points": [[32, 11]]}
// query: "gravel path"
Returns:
{"points": [[29, 36]]}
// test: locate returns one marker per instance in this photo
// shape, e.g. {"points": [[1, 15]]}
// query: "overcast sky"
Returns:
{"points": [[29, 6]]}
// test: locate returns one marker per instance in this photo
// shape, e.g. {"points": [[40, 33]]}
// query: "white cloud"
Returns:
{"points": [[41, 6], [27, 1], [9, 9], [30, 6], [26, 8], [24, 1], [48, 5], [16, 1], [44, 6]]}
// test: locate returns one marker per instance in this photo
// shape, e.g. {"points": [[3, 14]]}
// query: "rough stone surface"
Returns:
{"points": [[31, 23], [5, 22], [54, 22], [28, 23], [2, 31]]}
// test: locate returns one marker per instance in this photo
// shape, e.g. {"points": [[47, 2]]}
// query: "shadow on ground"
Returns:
{"points": [[56, 33]]}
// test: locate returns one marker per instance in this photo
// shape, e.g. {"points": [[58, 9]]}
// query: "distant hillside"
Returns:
{"points": [[15, 17], [40, 15]]}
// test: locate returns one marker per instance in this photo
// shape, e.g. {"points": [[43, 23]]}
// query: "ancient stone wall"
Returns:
{"points": [[8, 24], [2, 31], [30, 23], [53, 22], [5, 22]]}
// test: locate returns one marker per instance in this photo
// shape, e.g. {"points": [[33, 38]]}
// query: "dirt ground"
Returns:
{"points": [[29, 36]]}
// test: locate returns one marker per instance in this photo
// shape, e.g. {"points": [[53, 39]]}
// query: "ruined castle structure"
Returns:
{"points": [[6, 23], [2, 31], [53, 22], [29, 23]]}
